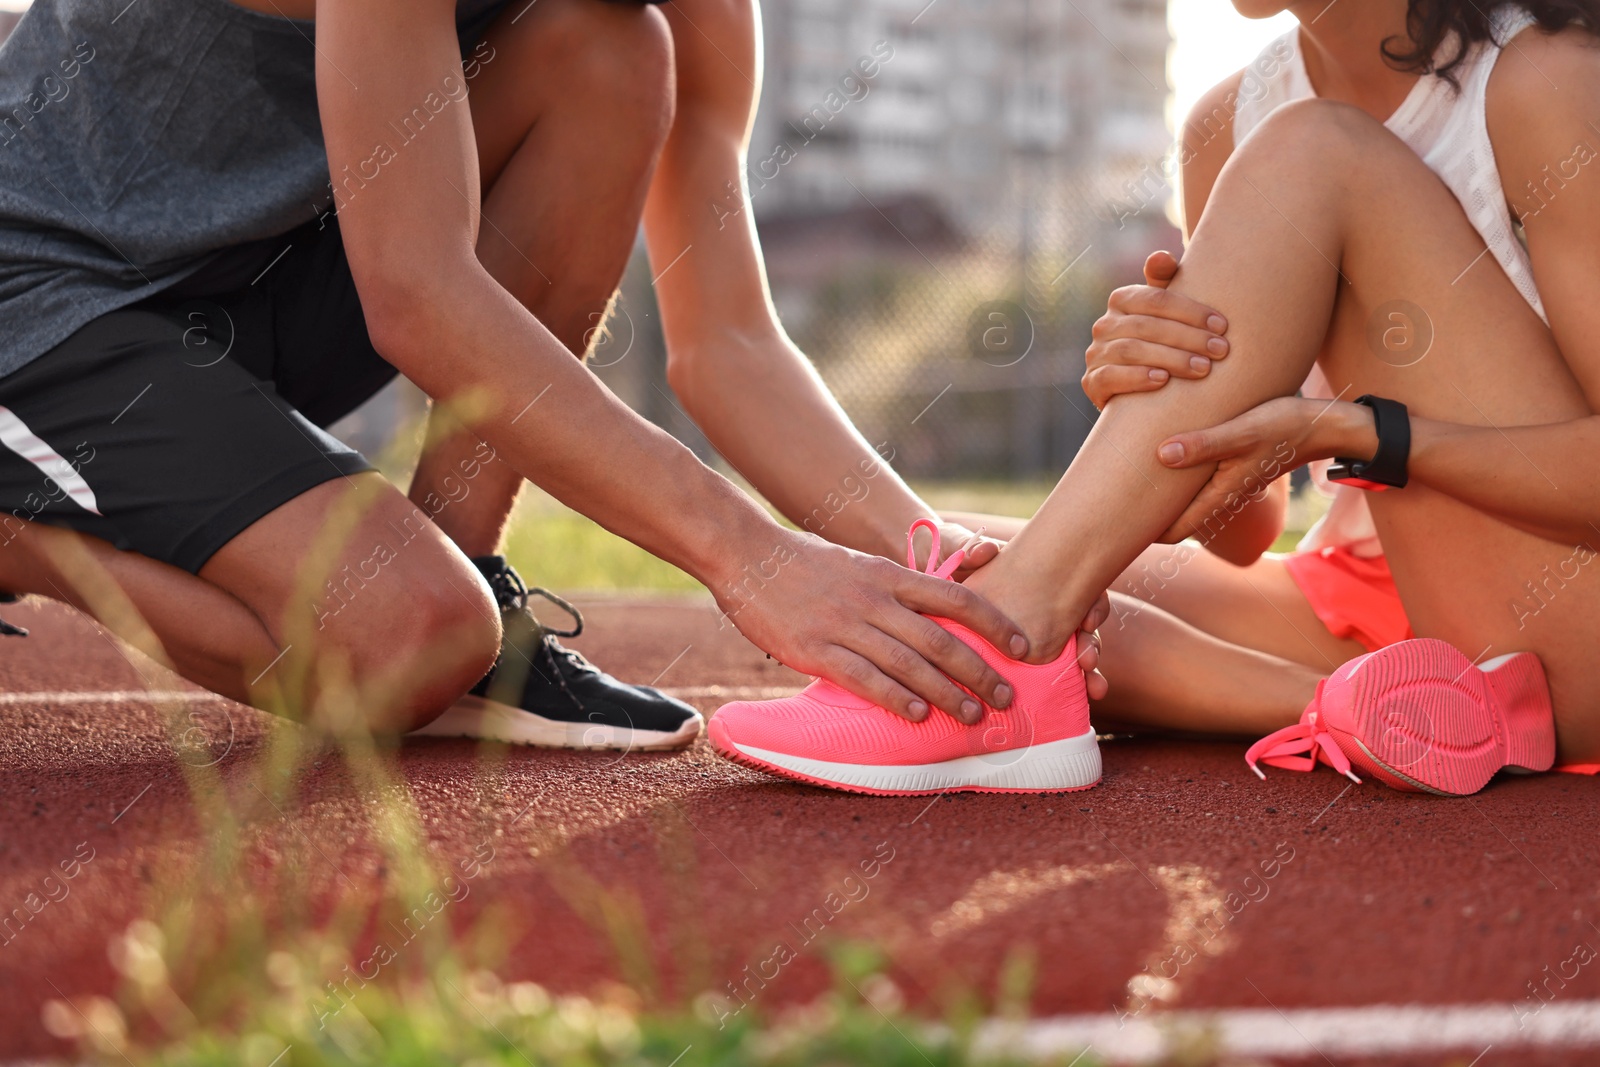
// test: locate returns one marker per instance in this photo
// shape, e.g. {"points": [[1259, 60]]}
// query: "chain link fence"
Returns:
{"points": [[963, 354]]}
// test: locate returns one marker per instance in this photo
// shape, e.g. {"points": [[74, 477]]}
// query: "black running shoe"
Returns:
{"points": [[6, 629], [540, 693]]}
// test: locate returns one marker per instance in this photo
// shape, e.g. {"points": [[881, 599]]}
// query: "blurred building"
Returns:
{"points": [[966, 99], [945, 192]]}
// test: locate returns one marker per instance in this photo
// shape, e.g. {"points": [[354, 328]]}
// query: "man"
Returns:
{"points": [[186, 298]]}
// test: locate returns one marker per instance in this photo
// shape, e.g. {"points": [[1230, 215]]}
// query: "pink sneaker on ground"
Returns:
{"points": [[1419, 716], [828, 736]]}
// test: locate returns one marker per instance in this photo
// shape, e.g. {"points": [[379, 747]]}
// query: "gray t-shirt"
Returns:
{"points": [[138, 138]]}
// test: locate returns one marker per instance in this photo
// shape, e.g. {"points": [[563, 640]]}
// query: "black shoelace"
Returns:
{"points": [[553, 652], [6, 628], [512, 594]]}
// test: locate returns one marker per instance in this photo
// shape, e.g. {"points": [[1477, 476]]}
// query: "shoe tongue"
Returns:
{"points": [[509, 592], [571, 657]]}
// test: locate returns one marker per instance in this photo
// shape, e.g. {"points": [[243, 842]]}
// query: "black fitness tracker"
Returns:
{"points": [[1386, 469]]}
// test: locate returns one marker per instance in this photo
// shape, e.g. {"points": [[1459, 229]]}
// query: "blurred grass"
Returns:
{"points": [[448, 1013], [553, 546], [556, 547]]}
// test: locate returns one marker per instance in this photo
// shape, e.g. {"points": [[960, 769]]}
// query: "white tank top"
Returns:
{"points": [[1448, 130]]}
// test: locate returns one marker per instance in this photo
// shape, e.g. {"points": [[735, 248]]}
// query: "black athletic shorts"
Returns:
{"points": [[168, 427]]}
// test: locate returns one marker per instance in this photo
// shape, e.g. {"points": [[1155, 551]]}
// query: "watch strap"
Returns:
{"points": [[1387, 469]]}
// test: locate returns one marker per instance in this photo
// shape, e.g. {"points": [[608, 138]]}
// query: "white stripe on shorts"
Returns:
{"points": [[15, 435]]}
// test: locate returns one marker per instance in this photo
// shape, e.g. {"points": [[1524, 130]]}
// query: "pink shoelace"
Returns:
{"points": [[933, 566], [1297, 747]]}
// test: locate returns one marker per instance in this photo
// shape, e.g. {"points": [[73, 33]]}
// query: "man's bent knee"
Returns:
{"points": [[412, 653], [619, 53], [458, 639]]}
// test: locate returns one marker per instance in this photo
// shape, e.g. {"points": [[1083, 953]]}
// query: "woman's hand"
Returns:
{"points": [[1255, 448], [1149, 335]]}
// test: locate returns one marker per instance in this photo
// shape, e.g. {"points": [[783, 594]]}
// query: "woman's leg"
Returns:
{"points": [[1167, 674], [1195, 643], [1299, 249], [1258, 607]]}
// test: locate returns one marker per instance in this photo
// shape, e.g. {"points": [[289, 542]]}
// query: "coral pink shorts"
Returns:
{"points": [[1353, 595]]}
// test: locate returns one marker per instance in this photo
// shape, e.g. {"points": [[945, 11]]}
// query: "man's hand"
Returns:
{"points": [[1089, 647], [859, 620], [957, 533], [954, 536], [1254, 449], [1149, 335]]}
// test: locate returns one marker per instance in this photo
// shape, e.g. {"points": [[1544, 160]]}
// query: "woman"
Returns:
{"points": [[1367, 167]]}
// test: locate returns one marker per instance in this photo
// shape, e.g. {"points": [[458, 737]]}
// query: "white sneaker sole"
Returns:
{"points": [[1056, 766], [486, 720]]}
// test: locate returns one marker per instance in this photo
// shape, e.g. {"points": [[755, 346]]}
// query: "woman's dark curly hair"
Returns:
{"points": [[1430, 23]]}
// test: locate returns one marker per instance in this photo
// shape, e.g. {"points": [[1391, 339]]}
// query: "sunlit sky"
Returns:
{"points": [[1211, 42]]}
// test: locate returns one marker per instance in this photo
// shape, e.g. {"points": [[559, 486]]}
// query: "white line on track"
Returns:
{"points": [[195, 696], [1380, 1030], [1316, 1033], [113, 696]]}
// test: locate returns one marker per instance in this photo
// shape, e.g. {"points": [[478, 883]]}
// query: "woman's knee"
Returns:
{"points": [[1321, 140]]}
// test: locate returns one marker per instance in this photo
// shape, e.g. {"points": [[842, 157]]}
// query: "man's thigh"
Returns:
{"points": [[128, 433], [350, 561]]}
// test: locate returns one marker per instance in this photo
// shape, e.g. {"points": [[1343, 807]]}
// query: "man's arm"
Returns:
{"points": [[408, 210], [756, 396]]}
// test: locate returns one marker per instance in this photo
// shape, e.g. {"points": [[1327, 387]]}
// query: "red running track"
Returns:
{"points": [[1180, 883]]}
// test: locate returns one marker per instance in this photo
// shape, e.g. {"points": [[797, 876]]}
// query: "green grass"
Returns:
{"points": [[447, 1014], [556, 547], [1020, 498], [553, 546]]}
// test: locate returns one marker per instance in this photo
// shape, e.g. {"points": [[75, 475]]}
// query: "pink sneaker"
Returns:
{"points": [[828, 736], [1419, 716]]}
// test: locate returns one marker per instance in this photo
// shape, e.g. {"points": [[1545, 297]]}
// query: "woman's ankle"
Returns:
{"points": [[1036, 616]]}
